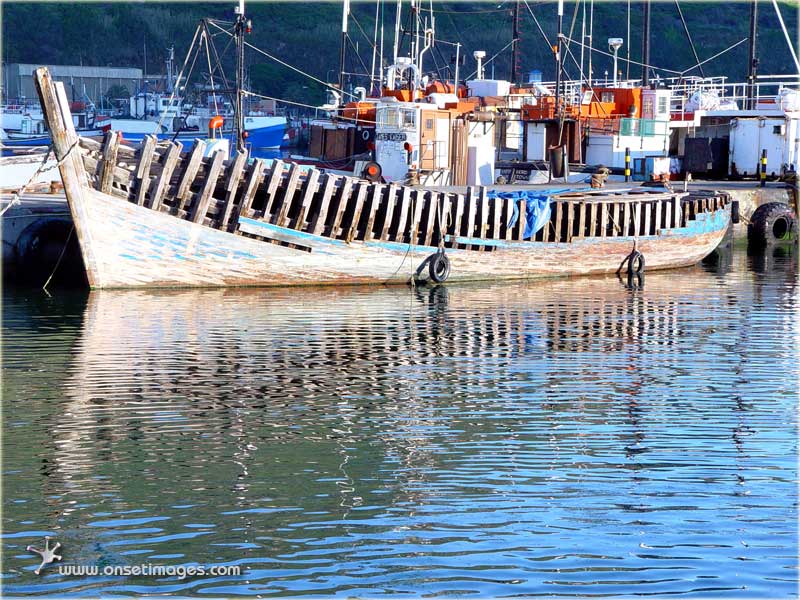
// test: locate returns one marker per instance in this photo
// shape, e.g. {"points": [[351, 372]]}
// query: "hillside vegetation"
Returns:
{"points": [[307, 35]]}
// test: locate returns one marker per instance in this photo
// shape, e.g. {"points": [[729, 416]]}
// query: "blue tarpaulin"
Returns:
{"points": [[537, 207]]}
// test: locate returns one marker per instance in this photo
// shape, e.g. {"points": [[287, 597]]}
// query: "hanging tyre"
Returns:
{"points": [[439, 267], [770, 223]]}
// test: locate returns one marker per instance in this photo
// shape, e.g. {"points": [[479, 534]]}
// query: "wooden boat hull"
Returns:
{"points": [[133, 246], [159, 217]]}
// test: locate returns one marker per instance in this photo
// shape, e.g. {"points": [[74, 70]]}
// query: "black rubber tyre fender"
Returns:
{"points": [[771, 222], [439, 267], [635, 263]]}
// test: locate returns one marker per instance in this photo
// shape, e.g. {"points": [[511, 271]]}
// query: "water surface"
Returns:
{"points": [[563, 438]]}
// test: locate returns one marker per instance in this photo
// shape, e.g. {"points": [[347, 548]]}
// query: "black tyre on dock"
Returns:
{"points": [[770, 223]]}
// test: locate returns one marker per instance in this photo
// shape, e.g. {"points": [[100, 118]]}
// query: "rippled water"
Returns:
{"points": [[553, 438]]}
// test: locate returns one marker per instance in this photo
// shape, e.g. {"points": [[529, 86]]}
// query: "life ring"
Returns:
{"points": [[365, 135], [439, 267]]}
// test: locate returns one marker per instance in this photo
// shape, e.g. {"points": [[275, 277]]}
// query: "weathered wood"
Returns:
{"points": [[309, 191], [443, 226], [676, 210], [255, 175], [326, 191], [235, 173], [593, 218], [603, 219], [361, 193], [391, 196], [288, 197], [273, 184], [433, 199], [418, 200], [483, 223], [618, 215], [509, 214], [570, 208], [343, 198], [668, 222], [637, 213], [522, 220], [377, 195], [648, 219], [582, 220], [658, 211], [189, 173], [405, 208], [171, 158], [200, 208], [472, 202], [457, 221], [110, 150], [559, 209], [143, 170]]}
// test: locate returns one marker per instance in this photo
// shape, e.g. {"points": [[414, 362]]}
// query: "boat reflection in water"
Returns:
{"points": [[488, 439]]}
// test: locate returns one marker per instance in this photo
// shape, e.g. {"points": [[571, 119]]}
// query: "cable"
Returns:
{"points": [[688, 36]]}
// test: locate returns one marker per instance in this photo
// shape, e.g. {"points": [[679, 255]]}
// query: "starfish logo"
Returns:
{"points": [[48, 554]]}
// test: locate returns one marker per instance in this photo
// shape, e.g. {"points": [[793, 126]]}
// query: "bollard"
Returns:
{"points": [[764, 168], [627, 164]]}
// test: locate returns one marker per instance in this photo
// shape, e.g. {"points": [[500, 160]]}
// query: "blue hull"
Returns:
{"points": [[263, 137]]}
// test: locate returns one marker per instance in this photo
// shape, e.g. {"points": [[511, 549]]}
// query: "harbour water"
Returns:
{"points": [[567, 437]]}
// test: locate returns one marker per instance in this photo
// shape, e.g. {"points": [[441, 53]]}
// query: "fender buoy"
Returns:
{"points": [[439, 267], [372, 172], [771, 222], [635, 262]]}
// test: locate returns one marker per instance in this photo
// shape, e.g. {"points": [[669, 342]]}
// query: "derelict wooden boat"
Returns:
{"points": [[156, 216]]}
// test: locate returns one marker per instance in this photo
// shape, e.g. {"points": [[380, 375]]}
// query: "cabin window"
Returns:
{"points": [[409, 119], [389, 117], [607, 97], [663, 108], [428, 123]]}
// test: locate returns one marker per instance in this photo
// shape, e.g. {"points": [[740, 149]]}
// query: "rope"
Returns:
{"points": [[178, 81], [60, 258], [688, 36], [15, 197], [247, 93]]}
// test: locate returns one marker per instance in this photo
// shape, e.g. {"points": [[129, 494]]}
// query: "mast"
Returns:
{"points": [[646, 45], [240, 28], [752, 63], [558, 56], [515, 44], [342, 50]]}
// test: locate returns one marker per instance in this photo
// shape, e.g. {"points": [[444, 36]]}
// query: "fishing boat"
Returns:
{"points": [[157, 216]]}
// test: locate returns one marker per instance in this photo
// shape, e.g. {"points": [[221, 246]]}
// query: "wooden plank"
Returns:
{"points": [[592, 219], [143, 170], [377, 196], [109, 163], [171, 158], [255, 175], [461, 202], [472, 203], [209, 185], [235, 173], [391, 195], [522, 220], [582, 220], [637, 216], [559, 208], [361, 194], [189, 173], [405, 208], [648, 218], [309, 191], [658, 209], [570, 208], [418, 199], [344, 196], [508, 212], [603, 219], [326, 191], [275, 178], [676, 210], [288, 197], [668, 223], [483, 230], [433, 199], [618, 225]]}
